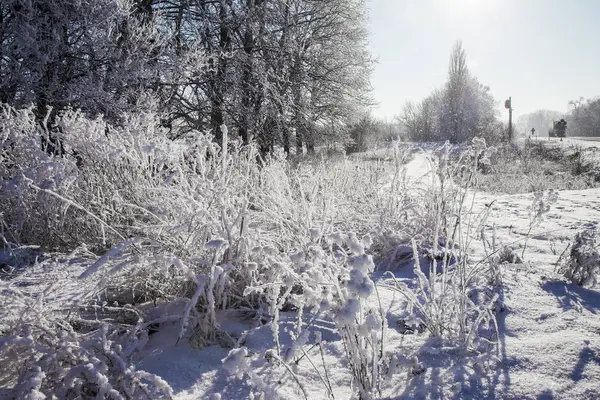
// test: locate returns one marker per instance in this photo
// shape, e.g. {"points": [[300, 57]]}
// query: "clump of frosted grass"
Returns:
{"points": [[44, 357], [331, 280], [540, 206], [582, 265], [448, 299]]}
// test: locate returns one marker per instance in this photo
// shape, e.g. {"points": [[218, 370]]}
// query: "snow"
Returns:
{"points": [[549, 329], [419, 168]]}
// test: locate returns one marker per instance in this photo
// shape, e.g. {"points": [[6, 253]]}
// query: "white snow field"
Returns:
{"points": [[547, 344]]}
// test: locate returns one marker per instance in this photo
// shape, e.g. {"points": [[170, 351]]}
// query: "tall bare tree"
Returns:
{"points": [[462, 109]]}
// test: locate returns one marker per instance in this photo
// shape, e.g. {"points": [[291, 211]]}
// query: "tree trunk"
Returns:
{"points": [[298, 109], [285, 136], [310, 144], [46, 96], [247, 87], [216, 115]]}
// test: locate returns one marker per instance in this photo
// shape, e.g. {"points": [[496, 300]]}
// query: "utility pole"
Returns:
{"points": [[508, 104]]}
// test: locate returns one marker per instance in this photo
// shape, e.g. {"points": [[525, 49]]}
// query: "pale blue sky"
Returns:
{"points": [[543, 53]]}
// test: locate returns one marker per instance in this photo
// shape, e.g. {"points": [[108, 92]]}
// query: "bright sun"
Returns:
{"points": [[464, 8]]}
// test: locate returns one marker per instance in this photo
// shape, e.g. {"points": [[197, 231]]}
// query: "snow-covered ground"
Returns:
{"points": [[549, 329]]}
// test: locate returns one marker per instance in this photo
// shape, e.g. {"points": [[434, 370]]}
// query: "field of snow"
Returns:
{"points": [[546, 346]]}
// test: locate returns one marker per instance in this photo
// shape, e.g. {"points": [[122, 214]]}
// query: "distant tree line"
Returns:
{"points": [[541, 120], [584, 118], [370, 132], [280, 72], [462, 109]]}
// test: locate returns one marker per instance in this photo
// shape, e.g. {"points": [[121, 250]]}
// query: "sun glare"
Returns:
{"points": [[464, 8]]}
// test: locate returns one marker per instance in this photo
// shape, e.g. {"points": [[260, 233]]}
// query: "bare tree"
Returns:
{"points": [[461, 110], [90, 54], [268, 69]]}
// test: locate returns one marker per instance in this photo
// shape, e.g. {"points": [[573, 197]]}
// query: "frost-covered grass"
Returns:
{"points": [[582, 263], [531, 166], [142, 236], [181, 228]]}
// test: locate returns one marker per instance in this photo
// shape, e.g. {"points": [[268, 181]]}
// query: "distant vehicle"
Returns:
{"points": [[559, 129]]}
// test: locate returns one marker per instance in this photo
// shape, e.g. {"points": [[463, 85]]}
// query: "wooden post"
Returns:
{"points": [[508, 104], [510, 118]]}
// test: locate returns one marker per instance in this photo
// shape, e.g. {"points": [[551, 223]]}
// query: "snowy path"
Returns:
{"points": [[419, 168]]}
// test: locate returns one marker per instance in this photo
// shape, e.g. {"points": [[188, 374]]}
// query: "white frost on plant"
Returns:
{"points": [[335, 238], [315, 234], [298, 257], [372, 324], [367, 241], [235, 362], [354, 244], [298, 344], [363, 263], [478, 144], [217, 244], [347, 314], [541, 204], [29, 389], [360, 284]]}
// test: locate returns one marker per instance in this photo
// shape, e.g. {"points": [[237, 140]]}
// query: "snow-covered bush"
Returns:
{"points": [[44, 356], [330, 277], [540, 206], [582, 266], [532, 165], [361, 322], [184, 223], [450, 297], [91, 195], [327, 279]]}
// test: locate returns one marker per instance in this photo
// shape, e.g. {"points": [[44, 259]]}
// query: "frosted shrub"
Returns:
{"points": [[182, 228], [329, 280], [114, 183], [454, 306], [450, 298], [360, 322], [151, 204], [169, 216], [43, 356], [582, 266], [540, 206], [23, 164], [128, 189]]}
